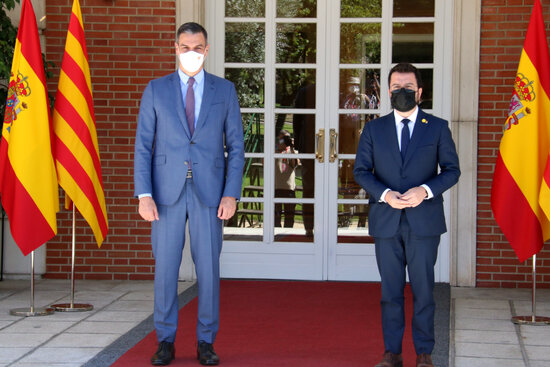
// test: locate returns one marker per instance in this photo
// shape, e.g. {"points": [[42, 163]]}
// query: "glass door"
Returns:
{"points": [[309, 75], [270, 51]]}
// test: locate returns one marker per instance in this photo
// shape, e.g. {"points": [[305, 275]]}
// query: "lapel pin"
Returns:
{"points": [[424, 121]]}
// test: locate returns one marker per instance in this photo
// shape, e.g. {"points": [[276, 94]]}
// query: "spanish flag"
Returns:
{"points": [[28, 181], [520, 196], [75, 141]]}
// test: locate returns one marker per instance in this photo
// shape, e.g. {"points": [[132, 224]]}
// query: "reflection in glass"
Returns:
{"points": [[360, 43], [353, 223], [413, 42], [361, 9], [350, 129], [300, 231], [245, 8], [359, 88], [246, 224], [295, 88], [296, 43], [301, 127], [296, 8], [253, 129], [249, 84], [352, 218], [244, 42], [253, 177], [413, 8], [427, 88], [347, 187]]}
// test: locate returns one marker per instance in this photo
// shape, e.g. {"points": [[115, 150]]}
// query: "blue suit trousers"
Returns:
{"points": [[418, 255], [168, 238]]}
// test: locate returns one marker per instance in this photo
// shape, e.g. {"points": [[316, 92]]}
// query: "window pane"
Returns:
{"points": [[350, 129], [413, 8], [295, 88], [353, 223], [427, 88], [245, 8], [301, 128], [361, 9], [246, 224], [296, 8], [290, 222], [296, 43], [360, 88], [360, 43], [253, 177], [249, 84], [413, 42], [244, 42], [253, 128]]}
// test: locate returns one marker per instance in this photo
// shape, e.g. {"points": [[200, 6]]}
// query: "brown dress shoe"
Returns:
{"points": [[391, 360], [424, 360]]}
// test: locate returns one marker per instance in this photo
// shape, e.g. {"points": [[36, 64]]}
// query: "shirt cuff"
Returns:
{"points": [[147, 194], [382, 197], [428, 190]]}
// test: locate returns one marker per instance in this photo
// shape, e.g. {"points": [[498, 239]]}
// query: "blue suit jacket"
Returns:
{"points": [[378, 166], [164, 146]]}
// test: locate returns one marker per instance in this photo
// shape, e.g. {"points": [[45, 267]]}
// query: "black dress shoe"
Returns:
{"points": [[164, 354], [206, 354]]}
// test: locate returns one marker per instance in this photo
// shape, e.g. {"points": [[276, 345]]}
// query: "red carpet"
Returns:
{"points": [[286, 323]]}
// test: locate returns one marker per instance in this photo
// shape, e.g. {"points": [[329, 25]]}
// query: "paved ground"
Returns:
{"points": [[481, 333]]}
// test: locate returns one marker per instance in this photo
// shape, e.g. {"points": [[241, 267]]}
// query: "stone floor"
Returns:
{"points": [[481, 333]]}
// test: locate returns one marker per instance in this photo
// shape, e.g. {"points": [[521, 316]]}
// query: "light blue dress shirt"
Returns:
{"points": [[198, 88]]}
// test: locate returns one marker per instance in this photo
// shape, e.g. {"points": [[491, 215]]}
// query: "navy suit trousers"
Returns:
{"points": [[418, 255]]}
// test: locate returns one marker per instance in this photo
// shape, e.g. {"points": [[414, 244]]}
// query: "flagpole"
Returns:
{"points": [[533, 319], [73, 307], [32, 311]]}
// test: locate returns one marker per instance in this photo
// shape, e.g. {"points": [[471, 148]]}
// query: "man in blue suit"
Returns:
{"points": [[397, 164], [188, 166]]}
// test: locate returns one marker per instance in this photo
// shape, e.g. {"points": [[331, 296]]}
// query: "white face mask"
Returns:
{"points": [[191, 61]]}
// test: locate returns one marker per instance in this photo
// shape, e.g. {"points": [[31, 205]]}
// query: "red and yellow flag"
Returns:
{"points": [[75, 141], [28, 182], [520, 196]]}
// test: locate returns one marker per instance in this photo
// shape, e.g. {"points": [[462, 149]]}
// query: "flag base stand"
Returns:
{"points": [[533, 319], [32, 311], [73, 307]]}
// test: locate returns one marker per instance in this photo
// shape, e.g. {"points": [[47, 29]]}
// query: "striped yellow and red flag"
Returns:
{"points": [[76, 149], [520, 194], [28, 182]]}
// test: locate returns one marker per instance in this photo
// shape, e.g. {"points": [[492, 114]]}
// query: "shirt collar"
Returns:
{"points": [[412, 116], [199, 77]]}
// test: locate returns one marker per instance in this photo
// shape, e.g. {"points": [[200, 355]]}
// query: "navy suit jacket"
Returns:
{"points": [[164, 146], [378, 166]]}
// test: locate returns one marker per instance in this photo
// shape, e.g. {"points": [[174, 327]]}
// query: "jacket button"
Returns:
{"points": [[192, 142], [186, 163]]}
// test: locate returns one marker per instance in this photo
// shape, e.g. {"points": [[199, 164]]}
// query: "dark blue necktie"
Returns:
{"points": [[405, 137], [190, 105]]}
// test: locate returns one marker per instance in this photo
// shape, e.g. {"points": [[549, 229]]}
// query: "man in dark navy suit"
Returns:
{"points": [[405, 161]]}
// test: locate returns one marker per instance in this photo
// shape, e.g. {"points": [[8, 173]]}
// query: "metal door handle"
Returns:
{"points": [[320, 145], [332, 147]]}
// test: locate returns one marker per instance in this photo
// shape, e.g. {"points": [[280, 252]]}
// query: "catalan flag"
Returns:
{"points": [[520, 196], [28, 182], [75, 141]]}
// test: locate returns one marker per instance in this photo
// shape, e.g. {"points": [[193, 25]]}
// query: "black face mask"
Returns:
{"points": [[403, 100]]}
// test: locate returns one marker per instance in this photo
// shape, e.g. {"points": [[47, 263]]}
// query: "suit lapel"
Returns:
{"points": [[420, 127], [391, 137], [176, 85], [207, 99]]}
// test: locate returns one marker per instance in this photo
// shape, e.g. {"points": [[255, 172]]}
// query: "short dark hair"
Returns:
{"points": [[193, 28], [405, 67]]}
